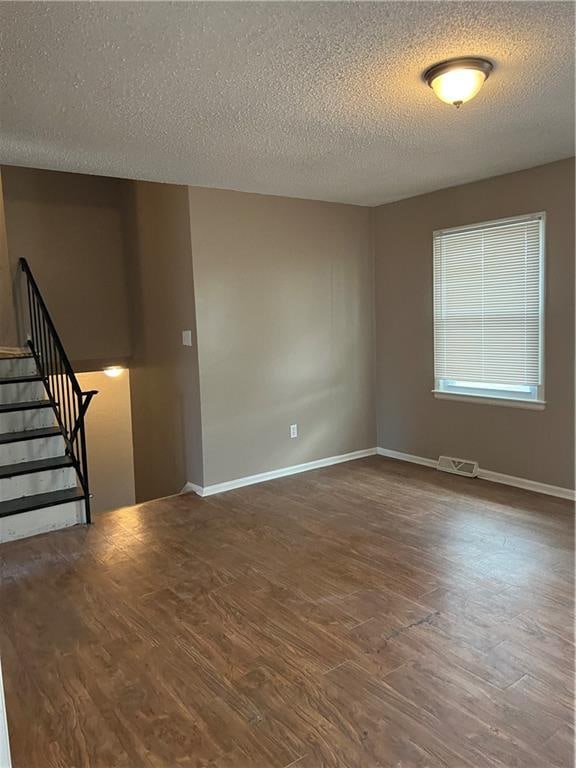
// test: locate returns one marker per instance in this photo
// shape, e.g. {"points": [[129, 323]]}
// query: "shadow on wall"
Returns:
{"points": [[164, 374], [70, 229]]}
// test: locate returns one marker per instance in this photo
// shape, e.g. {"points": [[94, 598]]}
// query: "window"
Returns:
{"points": [[488, 311]]}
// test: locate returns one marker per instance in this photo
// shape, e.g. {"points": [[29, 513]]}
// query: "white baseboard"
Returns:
{"points": [[483, 474], [5, 761], [487, 474], [528, 485], [263, 477], [191, 488], [406, 457]]}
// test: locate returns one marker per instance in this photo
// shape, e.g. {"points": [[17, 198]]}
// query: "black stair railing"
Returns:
{"points": [[68, 400]]}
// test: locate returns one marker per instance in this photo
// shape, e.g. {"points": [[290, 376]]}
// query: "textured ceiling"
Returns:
{"points": [[317, 100]]}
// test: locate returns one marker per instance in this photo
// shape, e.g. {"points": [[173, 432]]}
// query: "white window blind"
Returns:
{"points": [[488, 308]]}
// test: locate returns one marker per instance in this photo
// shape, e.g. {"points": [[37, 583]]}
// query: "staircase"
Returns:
{"points": [[43, 465]]}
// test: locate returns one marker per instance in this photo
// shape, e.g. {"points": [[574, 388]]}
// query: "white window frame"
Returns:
{"points": [[509, 395]]}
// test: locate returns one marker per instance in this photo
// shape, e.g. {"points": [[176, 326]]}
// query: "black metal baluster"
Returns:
{"points": [[66, 397], [35, 324], [68, 416], [60, 396], [43, 342], [84, 461]]}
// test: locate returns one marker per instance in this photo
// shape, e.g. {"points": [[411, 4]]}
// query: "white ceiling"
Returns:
{"points": [[317, 100]]}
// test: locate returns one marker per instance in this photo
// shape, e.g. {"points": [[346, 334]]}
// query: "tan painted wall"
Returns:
{"points": [[164, 374], [282, 291], [109, 441], [70, 228], [284, 303], [537, 445], [8, 330]]}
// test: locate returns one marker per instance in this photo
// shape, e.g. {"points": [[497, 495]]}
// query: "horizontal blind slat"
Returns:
{"points": [[488, 303]]}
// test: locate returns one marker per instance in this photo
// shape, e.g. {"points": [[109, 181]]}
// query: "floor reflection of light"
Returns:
{"points": [[125, 534]]}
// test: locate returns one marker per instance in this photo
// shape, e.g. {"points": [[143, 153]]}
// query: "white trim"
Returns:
{"points": [[263, 477], [406, 457], [528, 485], [513, 402], [5, 761], [493, 223], [489, 475], [191, 488], [483, 474], [540, 217]]}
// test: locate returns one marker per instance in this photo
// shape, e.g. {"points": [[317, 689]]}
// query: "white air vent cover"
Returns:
{"points": [[458, 466]]}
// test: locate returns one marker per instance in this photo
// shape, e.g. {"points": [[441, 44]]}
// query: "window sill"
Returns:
{"points": [[534, 405]]}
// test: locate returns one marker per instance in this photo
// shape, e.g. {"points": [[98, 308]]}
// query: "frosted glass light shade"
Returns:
{"points": [[458, 80]]}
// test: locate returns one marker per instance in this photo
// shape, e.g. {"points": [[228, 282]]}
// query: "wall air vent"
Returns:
{"points": [[458, 466]]}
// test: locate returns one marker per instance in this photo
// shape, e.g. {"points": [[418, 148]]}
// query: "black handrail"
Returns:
{"points": [[68, 400]]}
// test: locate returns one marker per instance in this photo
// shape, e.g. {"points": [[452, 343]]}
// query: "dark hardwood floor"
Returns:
{"points": [[373, 614]]}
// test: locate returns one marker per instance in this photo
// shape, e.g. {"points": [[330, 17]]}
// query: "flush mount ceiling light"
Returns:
{"points": [[456, 81]]}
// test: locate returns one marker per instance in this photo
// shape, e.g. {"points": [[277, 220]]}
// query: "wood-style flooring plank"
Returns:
{"points": [[367, 615]]}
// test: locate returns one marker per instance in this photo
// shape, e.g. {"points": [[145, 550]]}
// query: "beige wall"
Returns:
{"points": [[70, 229], [532, 444], [282, 291], [284, 301], [109, 441], [8, 330], [164, 374]]}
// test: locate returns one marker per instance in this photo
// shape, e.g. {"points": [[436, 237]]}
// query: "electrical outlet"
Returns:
{"points": [[293, 430]]}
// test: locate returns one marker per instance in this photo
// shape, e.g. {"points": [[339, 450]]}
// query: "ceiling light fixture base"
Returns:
{"points": [[456, 81]]}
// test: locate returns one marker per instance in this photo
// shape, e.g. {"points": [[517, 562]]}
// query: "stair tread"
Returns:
{"points": [[20, 379], [29, 467], [15, 355], [28, 405], [28, 434], [39, 500]]}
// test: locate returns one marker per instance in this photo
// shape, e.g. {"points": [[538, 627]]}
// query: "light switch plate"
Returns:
{"points": [[186, 338]]}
